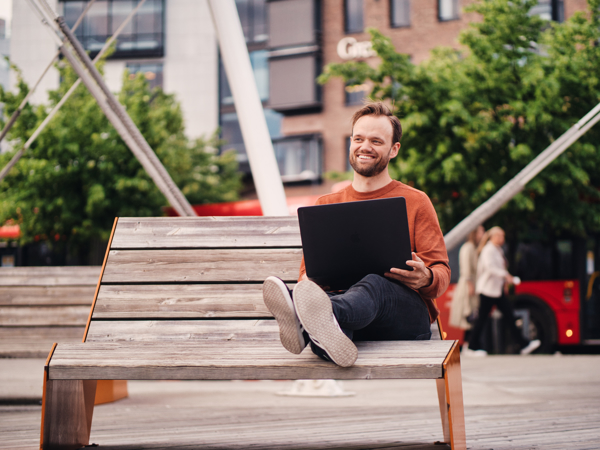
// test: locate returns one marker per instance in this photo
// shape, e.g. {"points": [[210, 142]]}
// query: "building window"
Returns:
{"points": [[293, 86], [299, 157], [153, 73], [260, 66], [448, 10], [356, 94], [143, 36], [549, 10], [231, 133], [253, 15], [353, 16], [400, 13]]}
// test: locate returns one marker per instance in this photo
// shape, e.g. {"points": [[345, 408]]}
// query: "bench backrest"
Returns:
{"points": [[192, 278], [42, 305]]}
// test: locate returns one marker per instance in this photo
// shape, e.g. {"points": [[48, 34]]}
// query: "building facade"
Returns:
{"points": [[309, 123], [289, 41], [171, 41], [4, 53]]}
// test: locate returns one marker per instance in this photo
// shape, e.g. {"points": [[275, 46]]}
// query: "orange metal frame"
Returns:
{"points": [[112, 233], [44, 393], [106, 390], [451, 398]]}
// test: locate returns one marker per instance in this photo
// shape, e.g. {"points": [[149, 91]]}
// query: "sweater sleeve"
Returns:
{"points": [[430, 247], [302, 269]]}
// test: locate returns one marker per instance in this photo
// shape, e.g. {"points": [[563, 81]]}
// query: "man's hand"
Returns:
{"points": [[303, 277], [417, 278]]}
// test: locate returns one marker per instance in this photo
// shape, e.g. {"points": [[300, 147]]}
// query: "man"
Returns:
{"points": [[399, 306]]}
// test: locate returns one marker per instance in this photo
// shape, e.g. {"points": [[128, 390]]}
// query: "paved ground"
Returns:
{"points": [[511, 402]]}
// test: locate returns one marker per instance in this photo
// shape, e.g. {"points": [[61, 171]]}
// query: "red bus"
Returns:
{"points": [[558, 300]]}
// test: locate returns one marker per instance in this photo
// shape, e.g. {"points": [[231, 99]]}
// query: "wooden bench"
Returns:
{"points": [[181, 299], [43, 305]]}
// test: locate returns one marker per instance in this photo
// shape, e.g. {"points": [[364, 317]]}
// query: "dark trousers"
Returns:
{"points": [[485, 307], [379, 309]]}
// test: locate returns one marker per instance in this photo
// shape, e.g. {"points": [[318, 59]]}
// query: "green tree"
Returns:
{"points": [[474, 118], [79, 175]]}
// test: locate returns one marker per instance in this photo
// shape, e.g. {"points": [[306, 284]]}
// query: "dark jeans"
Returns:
{"points": [[379, 309], [485, 307]]}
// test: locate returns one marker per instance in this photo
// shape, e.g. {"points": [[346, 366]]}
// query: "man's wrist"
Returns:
{"points": [[430, 282]]}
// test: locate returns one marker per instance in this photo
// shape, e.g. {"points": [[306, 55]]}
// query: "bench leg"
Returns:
{"points": [[67, 409], [108, 391], [441, 390], [451, 401]]}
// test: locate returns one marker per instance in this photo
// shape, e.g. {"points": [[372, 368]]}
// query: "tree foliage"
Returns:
{"points": [[79, 175], [474, 118]]}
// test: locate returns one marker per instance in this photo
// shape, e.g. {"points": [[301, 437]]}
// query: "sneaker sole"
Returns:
{"points": [[282, 309], [316, 315]]}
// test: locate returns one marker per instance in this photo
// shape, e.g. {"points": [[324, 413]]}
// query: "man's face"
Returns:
{"points": [[371, 146]]}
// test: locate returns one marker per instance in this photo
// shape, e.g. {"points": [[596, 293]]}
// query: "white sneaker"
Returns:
{"points": [[474, 353], [314, 310], [278, 300], [529, 348]]}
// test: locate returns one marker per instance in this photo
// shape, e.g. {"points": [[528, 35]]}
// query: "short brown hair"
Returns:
{"points": [[379, 109]]}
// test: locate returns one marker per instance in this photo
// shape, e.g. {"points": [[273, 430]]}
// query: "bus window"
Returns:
{"points": [[565, 269], [533, 261]]}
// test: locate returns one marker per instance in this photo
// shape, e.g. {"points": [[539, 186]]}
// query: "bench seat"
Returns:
{"points": [[240, 360]]}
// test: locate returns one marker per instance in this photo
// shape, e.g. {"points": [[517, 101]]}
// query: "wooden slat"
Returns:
{"points": [[49, 276], [35, 342], [237, 361], [180, 301], [206, 232], [43, 315], [163, 266], [46, 295], [182, 330], [57, 334], [210, 331]]}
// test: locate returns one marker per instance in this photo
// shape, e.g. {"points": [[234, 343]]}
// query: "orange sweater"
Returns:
{"points": [[426, 238]]}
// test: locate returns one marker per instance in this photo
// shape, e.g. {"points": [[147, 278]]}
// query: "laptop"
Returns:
{"points": [[344, 242]]}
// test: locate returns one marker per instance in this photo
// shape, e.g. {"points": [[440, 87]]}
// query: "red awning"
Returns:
{"points": [[10, 232], [246, 207]]}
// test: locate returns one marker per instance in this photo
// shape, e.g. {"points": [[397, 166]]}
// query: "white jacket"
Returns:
{"points": [[491, 271], [463, 304]]}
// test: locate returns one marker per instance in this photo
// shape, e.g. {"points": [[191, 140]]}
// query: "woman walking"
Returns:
{"points": [[491, 277], [465, 302]]}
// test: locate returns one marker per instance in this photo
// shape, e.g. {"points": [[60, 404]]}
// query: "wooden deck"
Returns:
{"points": [[511, 402]]}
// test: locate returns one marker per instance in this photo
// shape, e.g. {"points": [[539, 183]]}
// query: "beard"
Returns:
{"points": [[374, 168]]}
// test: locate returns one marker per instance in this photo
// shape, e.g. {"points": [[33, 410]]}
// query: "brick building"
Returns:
{"points": [[310, 124]]}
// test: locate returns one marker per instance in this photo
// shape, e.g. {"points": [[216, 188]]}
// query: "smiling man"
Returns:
{"points": [[399, 306]]}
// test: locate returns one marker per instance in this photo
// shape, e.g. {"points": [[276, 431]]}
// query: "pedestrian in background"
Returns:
{"points": [[465, 302], [492, 276]]}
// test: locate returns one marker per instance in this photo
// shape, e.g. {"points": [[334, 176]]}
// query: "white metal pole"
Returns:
{"points": [[113, 110], [17, 156], [253, 124]]}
